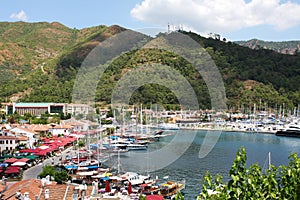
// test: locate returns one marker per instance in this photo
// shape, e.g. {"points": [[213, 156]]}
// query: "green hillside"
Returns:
{"points": [[39, 62]]}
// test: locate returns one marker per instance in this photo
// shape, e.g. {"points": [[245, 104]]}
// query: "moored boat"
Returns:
{"points": [[291, 131], [168, 126], [169, 189]]}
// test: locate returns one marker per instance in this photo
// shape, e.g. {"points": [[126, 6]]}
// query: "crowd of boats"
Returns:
{"points": [[261, 123], [88, 165]]}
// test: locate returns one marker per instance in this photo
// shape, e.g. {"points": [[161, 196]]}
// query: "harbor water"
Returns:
{"points": [[218, 161]]}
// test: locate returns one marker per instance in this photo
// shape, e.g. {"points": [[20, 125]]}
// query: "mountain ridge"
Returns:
{"points": [[31, 73], [285, 47]]}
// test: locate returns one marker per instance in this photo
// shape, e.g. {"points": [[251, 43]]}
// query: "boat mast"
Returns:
{"points": [[123, 120], [269, 160], [99, 148], [141, 116], [118, 161]]}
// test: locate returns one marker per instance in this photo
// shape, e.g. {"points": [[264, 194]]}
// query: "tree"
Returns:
{"points": [[179, 196], [60, 175], [253, 183]]}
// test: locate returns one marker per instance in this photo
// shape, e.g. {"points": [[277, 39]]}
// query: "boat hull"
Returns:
{"points": [[288, 133]]}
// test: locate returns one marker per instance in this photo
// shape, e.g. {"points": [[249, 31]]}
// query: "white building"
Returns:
{"points": [[20, 131], [8, 143], [76, 109], [61, 130], [36, 109]]}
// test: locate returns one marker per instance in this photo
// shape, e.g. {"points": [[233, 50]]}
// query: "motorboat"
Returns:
{"points": [[291, 131]]}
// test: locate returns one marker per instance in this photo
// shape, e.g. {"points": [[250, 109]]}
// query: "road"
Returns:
{"points": [[34, 171]]}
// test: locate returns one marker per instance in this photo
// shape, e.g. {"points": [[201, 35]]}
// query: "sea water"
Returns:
{"points": [[218, 161]]}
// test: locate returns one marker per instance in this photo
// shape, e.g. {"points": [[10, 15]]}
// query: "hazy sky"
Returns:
{"points": [[233, 19]]}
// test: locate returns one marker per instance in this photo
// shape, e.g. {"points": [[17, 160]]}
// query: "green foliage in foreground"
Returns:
{"points": [[281, 182], [60, 176]]}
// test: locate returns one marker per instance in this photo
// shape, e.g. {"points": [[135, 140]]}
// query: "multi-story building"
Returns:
{"points": [[36, 109], [76, 109], [8, 143]]}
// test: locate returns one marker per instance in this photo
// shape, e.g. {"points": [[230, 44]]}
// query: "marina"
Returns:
{"points": [[190, 168], [163, 159]]}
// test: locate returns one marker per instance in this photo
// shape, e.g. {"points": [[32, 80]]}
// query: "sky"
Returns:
{"points": [[271, 20]]}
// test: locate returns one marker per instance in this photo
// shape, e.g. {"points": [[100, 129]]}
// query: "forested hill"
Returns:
{"points": [[39, 62]]}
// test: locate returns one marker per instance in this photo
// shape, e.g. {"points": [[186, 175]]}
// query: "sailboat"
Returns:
{"points": [[101, 157], [268, 163]]}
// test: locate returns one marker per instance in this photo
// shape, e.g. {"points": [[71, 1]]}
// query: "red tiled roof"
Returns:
{"points": [[59, 191], [8, 138], [34, 188], [23, 138], [31, 186], [2, 187]]}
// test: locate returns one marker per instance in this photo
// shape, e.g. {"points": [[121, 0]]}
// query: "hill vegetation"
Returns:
{"points": [[39, 62]]}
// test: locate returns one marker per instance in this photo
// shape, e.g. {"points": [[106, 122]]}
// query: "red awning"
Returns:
{"points": [[14, 167], [41, 153], [29, 150], [12, 171], [11, 160], [23, 160], [154, 197]]}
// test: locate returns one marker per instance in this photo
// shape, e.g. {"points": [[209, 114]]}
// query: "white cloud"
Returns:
{"points": [[218, 15], [19, 16]]}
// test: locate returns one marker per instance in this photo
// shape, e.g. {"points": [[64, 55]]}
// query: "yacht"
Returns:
{"points": [[168, 126], [291, 131]]}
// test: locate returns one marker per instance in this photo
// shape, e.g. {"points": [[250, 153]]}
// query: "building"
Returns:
{"points": [[36, 109], [57, 129], [25, 132], [47, 190], [8, 143], [76, 109]]}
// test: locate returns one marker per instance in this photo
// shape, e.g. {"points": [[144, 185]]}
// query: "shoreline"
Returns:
{"points": [[231, 130]]}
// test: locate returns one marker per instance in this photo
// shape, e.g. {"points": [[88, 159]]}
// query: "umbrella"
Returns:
{"points": [[31, 157], [23, 160], [154, 197], [105, 178], [14, 167], [44, 147], [3, 165], [41, 153], [12, 171], [129, 189], [11, 160], [107, 186], [107, 174], [18, 163]]}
